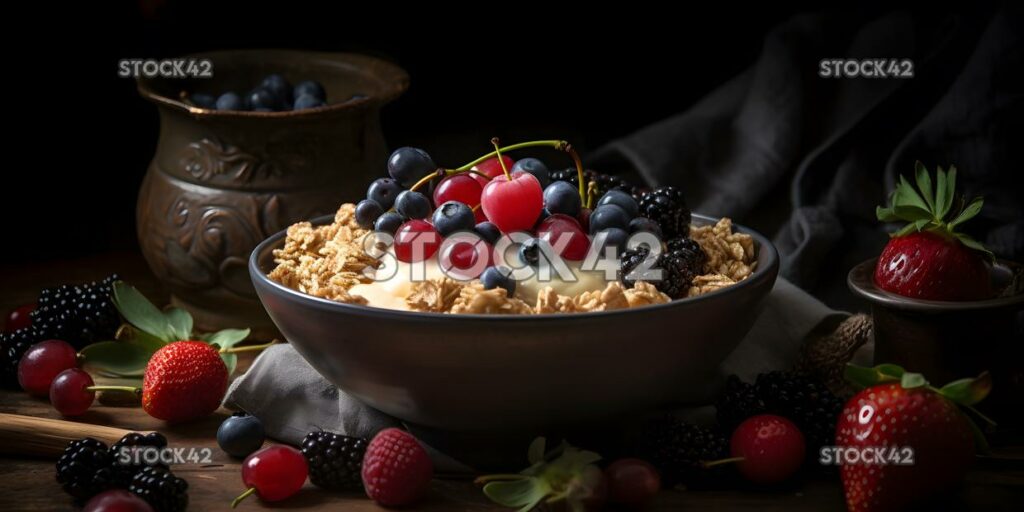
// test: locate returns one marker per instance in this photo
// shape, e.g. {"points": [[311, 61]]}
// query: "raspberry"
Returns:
{"points": [[396, 469]]}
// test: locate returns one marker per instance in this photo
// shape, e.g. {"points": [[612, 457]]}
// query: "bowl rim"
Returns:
{"points": [[766, 272], [391, 74], [861, 282]]}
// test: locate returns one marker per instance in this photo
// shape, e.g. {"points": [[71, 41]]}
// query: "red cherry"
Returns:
{"points": [[273, 473], [459, 187], [117, 500], [556, 226], [632, 482], [41, 364], [20, 318], [513, 205], [461, 258], [68, 392], [771, 447], [416, 240], [584, 219], [492, 168]]}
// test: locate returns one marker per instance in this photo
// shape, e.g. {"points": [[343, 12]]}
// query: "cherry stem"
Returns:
{"points": [[497, 151], [247, 348], [719, 462], [579, 169], [248, 492], [439, 173], [560, 145], [130, 389], [591, 194]]}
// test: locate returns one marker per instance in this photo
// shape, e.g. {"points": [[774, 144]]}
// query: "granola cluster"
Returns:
{"points": [[327, 261]]}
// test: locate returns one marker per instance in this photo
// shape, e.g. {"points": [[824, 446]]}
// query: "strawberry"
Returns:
{"points": [[396, 468], [928, 258], [184, 380], [903, 416]]}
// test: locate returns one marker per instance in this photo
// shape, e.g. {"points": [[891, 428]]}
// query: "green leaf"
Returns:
{"points": [[924, 184], [180, 322], [535, 453], [943, 194], [226, 338], [231, 361], [890, 370], [913, 213], [144, 340], [116, 357], [968, 391], [969, 211], [864, 377], [907, 196], [523, 494], [917, 225], [974, 244], [912, 380], [886, 214], [140, 312]]}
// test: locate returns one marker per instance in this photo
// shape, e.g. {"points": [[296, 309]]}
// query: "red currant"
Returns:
{"points": [[492, 168], [20, 318], [513, 205], [771, 448], [416, 240], [466, 259], [117, 500], [632, 482], [273, 473], [69, 393], [41, 364], [458, 187], [557, 226]]}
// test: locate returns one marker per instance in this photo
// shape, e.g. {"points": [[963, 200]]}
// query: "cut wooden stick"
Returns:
{"points": [[43, 437]]}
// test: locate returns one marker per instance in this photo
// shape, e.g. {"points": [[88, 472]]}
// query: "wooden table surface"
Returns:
{"points": [[28, 483]]}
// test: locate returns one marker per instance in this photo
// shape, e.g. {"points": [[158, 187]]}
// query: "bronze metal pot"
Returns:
{"points": [[223, 181]]}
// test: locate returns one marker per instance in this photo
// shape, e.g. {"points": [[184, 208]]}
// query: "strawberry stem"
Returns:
{"points": [[130, 389], [719, 462], [248, 492], [247, 348]]}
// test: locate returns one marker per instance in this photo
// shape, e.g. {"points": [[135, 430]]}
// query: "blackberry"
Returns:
{"points": [[83, 470], [667, 207], [12, 346], [739, 401], [335, 461], [679, 450], [161, 489], [605, 182], [805, 401], [689, 250], [678, 268], [79, 314], [124, 471]]}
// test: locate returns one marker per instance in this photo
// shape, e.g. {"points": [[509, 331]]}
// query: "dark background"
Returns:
{"points": [[84, 137]]}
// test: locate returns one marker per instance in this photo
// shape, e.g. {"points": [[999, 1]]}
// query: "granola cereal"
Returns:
{"points": [[474, 299], [549, 301], [731, 257], [644, 294], [434, 295], [612, 297]]}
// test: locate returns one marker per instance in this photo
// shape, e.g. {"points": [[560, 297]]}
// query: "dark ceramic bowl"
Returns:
{"points": [[469, 372], [950, 340]]}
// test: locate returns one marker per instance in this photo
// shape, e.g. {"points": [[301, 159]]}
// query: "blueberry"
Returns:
{"points": [[534, 167], [488, 231], [608, 216], [412, 205], [367, 212], [262, 100], [622, 200], [498, 277], [384, 191], [530, 252], [407, 165], [230, 101], [562, 197], [644, 224], [616, 238], [240, 435], [279, 87], [453, 216], [311, 88], [203, 100], [308, 101], [389, 222]]}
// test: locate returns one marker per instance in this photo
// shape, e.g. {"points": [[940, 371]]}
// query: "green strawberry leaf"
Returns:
{"points": [[969, 211], [911, 380], [924, 184], [907, 196], [864, 377], [226, 338], [943, 194], [913, 213], [974, 244], [535, 453], [231, 361], [968, 391], [129, 334], [121, 358], [913, 227], [886, 214], [180, 323], [523, 494], [140, 312], [890, 370]]}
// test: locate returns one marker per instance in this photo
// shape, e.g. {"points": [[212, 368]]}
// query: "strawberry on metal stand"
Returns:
{"points": [[911, 440], [929, 258]]}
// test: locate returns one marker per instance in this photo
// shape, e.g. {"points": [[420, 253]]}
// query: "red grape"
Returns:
{"points": [[458, 187], [465, 258], [68, 394], [558, 225], [276, 472], [20, 318], [772, 448], [416, 240], [513, 205], [117, 500], [42, 363], [632, 482]]}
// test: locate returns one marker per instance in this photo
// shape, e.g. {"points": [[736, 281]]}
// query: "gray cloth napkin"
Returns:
{"points": [[292, 399]]}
